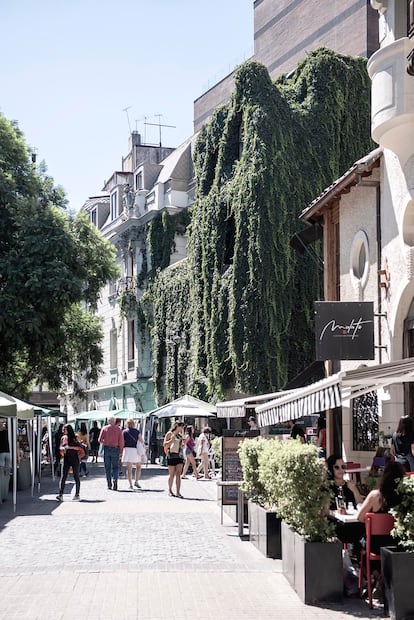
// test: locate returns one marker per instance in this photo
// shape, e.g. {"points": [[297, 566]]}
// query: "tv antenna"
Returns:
{"points": [[127, 115], [159, 125]]}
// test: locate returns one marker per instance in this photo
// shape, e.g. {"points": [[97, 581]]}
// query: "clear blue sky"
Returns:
{"points": [[70, 67]]}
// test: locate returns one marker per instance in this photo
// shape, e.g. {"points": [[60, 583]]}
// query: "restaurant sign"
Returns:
{"points": [[344, 330]]}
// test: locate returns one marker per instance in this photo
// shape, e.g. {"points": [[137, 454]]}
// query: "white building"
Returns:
{"points": [[152, 180]]}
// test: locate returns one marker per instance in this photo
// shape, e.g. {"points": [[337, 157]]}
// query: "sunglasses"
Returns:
{"points": [[340, 466]]}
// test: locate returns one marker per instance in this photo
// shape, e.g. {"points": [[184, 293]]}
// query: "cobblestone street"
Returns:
{"points": [[139, 555]]}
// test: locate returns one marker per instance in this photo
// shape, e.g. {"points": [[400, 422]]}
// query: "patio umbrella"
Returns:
{"points": [[185, 407]]}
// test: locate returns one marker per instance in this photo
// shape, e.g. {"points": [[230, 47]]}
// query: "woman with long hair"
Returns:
{"points": [[70, 447], [173, 442], [341, 488], [83, 438], [402, 446], [189, 443], [386, 496]]}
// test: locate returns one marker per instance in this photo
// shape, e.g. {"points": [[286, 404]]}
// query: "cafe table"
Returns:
{"points": [[348, 529]]}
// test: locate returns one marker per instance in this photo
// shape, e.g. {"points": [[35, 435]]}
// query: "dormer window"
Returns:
{"points": [[93, 217]]}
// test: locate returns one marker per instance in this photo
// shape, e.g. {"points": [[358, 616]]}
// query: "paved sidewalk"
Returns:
{"points": [[140, 555]]}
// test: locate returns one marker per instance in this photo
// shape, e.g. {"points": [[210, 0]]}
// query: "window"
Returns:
{"points": [[93, 217], [138, 181], [131, 340], [114, 206], [113, 349], [359, 257], [365, 422]]}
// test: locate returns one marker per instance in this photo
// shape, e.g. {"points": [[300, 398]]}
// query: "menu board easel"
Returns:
{"points": [[231, 467]]}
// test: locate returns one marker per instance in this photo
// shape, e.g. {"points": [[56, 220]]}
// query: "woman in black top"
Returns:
{"points": [[402, 447], [71, 447], [347, 490]]}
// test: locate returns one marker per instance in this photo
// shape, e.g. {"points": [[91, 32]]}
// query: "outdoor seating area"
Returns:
{"points": [[291, 486]]}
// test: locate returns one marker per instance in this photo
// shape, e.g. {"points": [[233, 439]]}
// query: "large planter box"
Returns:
{"points": [[398, 571], [265, 531], [313, 569]]}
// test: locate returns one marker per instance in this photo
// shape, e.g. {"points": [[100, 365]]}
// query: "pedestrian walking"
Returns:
{"points": [[113, 443], [94, 441], [133, 450], [189, 454], [203, 448], [173, 441], [83, 439], [71, 449]]}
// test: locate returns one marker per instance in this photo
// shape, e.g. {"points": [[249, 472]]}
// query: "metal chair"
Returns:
{"points": [[376, 524]]}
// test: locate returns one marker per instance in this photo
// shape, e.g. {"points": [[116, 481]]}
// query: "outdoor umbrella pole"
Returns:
{"points": [[14, 453], [39, 450], [49, 432], [30, 439]]}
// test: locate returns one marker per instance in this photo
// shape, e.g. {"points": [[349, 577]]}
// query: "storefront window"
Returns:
{"points": [[365, 422]]}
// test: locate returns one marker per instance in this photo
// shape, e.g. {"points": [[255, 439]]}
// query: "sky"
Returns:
{"points": [[70, 68]]}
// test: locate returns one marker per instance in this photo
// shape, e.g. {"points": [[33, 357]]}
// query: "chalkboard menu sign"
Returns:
{"points": [[231, 467]]}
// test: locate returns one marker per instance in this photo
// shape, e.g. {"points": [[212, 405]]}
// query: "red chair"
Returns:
{"points": [[376, 524]]}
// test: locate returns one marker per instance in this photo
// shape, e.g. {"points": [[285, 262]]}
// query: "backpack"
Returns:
{"points": [[85, 449]]}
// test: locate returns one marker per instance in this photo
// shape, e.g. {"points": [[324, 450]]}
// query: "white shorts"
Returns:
{"points": [[130, 455]]}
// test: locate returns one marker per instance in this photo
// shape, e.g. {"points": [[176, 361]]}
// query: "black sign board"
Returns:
{"points": [[344, 330], [231, 467]]}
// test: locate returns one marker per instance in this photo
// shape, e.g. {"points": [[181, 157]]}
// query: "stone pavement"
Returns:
{"points": [[139, 555]]}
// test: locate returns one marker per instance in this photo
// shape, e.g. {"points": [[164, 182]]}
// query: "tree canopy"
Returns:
{"points": [[52, 267]]}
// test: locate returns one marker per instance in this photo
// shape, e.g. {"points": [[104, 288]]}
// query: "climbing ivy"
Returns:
{"points": [[243, 302]]}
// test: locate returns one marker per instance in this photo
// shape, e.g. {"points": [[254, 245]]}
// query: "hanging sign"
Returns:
{"points": [[344, 330]]}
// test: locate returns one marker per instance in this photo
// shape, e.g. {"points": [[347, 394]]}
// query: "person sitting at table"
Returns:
{"points": [[347, 533], [386, 496], [381, 500], [341, 487]]}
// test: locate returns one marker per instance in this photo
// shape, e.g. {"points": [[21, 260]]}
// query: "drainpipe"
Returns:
{"points": [[379, 263]]}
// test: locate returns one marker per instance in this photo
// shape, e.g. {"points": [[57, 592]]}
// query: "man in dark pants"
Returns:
{"points": [[113, 442]]}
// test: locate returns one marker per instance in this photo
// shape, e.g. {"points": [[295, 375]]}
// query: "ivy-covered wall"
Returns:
{"points": [[243, 302]]}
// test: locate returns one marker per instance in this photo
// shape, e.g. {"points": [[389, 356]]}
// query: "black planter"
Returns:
{"points": [[265, 531], [398, 571], [313, 569]]}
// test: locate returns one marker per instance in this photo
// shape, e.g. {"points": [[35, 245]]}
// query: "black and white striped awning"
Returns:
{"points": [[244, 406], [333, 391]]}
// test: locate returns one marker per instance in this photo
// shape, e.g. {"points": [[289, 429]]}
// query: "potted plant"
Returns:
{"points": [[264, 524], [312, 558], [398, 560]]}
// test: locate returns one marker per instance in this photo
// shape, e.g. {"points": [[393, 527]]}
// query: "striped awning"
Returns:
{"points": [[244, 406], [333, 391]]}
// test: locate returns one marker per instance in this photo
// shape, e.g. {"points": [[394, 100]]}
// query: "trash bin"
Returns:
{"points": [[24, 478], [4, 484]]}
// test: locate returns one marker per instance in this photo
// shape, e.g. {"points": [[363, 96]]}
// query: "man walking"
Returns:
{"points": [[113, 443]]}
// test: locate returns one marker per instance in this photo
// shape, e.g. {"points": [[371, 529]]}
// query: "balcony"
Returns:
{"points": [[393, 98]]}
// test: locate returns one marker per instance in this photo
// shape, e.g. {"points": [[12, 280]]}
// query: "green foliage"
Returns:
{"points": [[302, 491], [217, 446], [268, 469], [262, 158], [49, 264], [249, 451], [403, 514]]}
